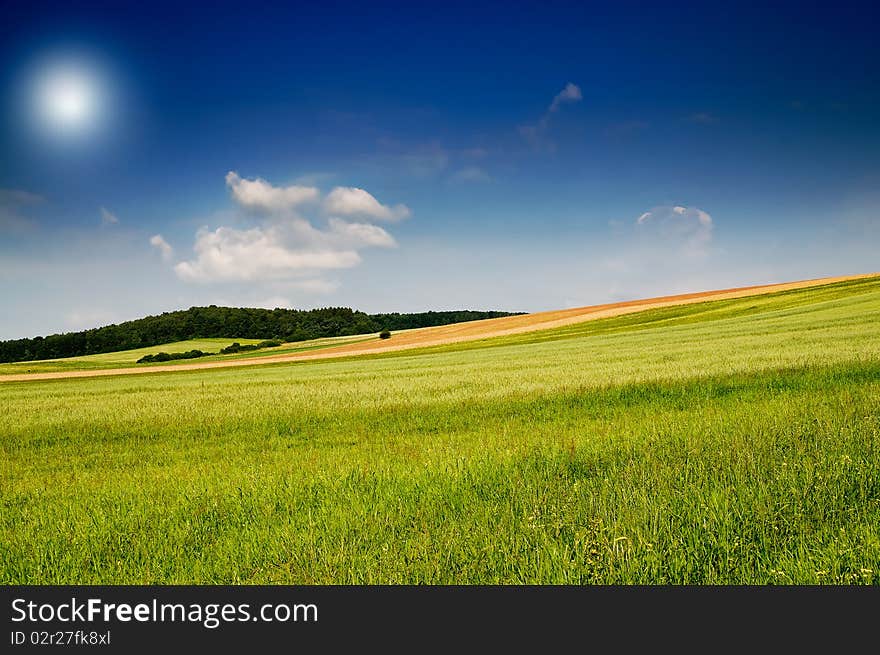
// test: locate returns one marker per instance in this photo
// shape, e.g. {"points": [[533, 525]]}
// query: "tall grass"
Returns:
{"points": [[715, 443]]}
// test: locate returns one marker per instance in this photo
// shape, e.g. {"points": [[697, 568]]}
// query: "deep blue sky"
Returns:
{"points": [[749, 135]]}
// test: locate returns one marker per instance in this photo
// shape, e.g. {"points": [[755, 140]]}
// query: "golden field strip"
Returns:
{"points": [[459, 332]]}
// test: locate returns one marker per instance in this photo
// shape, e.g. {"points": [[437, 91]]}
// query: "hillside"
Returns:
{"points": [[723, 441], [471, 334], [226, 322]]}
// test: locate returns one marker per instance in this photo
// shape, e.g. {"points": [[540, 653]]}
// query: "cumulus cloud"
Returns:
{"points": [[284, 247], [158, 242], [677, 226], [352, 201], [108, 217], [260, 196], [227, 254], [358, 234], [535, 134]]}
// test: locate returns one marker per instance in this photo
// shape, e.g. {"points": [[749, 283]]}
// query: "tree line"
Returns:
{"points": [[226, 322]]}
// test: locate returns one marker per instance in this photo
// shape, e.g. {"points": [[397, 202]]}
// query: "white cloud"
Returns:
{"points": [[471, 174], [278, 252], [360, 234], [704, 218], [227, 254], [259, 195], [163, 246], [285, 248], [351, 201], [108, 217], [571, 93], [687, 228]]}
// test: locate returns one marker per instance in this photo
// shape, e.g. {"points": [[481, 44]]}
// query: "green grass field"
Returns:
{"points": [[727, 442], [128, 358]]}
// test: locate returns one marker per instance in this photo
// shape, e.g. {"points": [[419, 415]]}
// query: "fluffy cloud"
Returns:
{"points": [[351, 201], [258, 195], [227, 254], [162, 246], [677, 225], [108, 217], [358, 234], [285, 248]]}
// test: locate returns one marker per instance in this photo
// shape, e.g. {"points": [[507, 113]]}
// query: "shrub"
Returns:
{"points": [[385, 334], [234, 348], [165, 357], [269, 343]]}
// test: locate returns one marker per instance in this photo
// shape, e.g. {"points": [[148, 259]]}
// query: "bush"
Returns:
{"points": [[270, 343], [166, 357], [385, 334], [228, 350]]}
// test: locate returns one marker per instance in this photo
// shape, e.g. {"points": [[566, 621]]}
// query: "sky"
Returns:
{"points": [[416, 156]]}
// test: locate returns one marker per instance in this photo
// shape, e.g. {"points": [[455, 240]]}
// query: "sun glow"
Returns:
{"points": [[68, 98]]}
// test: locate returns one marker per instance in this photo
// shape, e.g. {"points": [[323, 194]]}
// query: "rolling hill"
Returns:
{"points": [[724, 439]]}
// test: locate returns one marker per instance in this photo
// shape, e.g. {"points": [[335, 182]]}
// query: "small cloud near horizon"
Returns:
{"points": [[688, 228], [164, 248]]}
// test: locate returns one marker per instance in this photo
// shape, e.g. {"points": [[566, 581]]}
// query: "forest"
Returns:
{"points": [[226, 322]]}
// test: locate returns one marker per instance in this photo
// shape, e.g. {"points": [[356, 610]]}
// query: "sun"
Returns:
{"points": [[67, 98]]}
